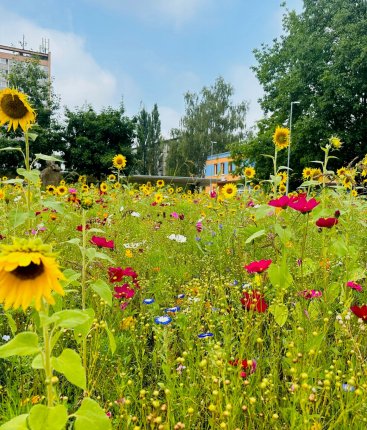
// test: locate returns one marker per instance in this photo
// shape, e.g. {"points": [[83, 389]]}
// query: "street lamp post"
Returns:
{"points": [[290, 140], [211, 154]]}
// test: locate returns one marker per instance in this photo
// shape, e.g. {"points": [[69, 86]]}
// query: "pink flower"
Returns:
{"points": [[72, 190], [199, 226], [174, 215], [213, 194], [117, 273], [360, 311], [354, 286], [258, 266], [310, 294], [101, 242], [124, 292], [301, 204], [282, 202]]}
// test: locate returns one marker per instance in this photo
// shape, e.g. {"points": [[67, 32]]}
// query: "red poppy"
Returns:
{"points": [[301, 204], [101, 242], [258, 266], [254, 301], [360, 311], [327, 222]]}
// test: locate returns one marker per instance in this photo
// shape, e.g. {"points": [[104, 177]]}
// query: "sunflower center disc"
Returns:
{"points": [[32, 271], [13, 107]]}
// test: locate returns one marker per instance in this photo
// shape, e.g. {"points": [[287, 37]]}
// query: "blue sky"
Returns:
{"points": [[147, 51]]}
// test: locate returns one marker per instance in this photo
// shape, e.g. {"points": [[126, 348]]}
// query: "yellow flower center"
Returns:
{"points": [[13, 106], [32, 271]]}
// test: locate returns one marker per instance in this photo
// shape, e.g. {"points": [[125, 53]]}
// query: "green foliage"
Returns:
{"points": [[52, 418], [148, 134], [320, 61], [211, 118], [25, 343], [93, 139], [91, 415]]}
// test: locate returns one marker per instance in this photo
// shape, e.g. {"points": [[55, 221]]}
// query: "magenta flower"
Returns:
{"points": [[310, 294], [327, 222], [354, 286], [199, 226], [301, 204], [282, 202], [101, 242], [124, 292], [258, 266]]}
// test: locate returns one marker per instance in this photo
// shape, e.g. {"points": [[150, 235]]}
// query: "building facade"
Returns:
{"points": [[219, 170], [9, 55]]}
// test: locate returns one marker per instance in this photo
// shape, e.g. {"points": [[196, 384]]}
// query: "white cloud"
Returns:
{"points": [[176, 12], [246, 87], [78, 78]]}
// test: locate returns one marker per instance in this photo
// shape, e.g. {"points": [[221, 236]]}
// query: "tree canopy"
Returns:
{"points": [[211, 118], [320, 61]]}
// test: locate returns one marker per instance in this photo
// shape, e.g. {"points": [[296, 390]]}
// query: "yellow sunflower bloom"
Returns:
{"points": [[112, 178], [119, 161], [229, 191], [28, 274], [61, 190], [281, 137], [15, 109], [117, 185], [50, 189], [307, 173], [335, 142], [249, 172], [2, 194], [160, 183], [158, 197], [82, 179], [103, 187]]}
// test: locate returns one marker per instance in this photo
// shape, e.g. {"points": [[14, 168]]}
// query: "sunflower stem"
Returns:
{"points": [[83, 281], [27, 166], [47, 362]]}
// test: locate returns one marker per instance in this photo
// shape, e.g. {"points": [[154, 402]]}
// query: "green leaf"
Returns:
{"points": [[103, 290], [104, 256], [18, 218], [12, 148], [69, 364], [84, 328], [17, 423], [37, 362], [42, 417], [52, 204], [47, 158], [13, 181], [32, 136], [279, 275], [254, 236], [111, 340], [25, 343], [70, 277], [74, 241], [91, 416], [280, 313], [90, 253], [285, 234], [32, 176], [11, 322], [70, 318]]}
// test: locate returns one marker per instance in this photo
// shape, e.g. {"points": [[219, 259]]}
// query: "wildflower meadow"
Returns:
{"points": [[152, 306]]}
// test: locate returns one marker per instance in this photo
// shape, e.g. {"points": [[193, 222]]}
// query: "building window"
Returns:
{"points": [[230, 167], [215, 169]]}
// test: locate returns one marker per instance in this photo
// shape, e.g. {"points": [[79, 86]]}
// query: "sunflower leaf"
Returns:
{"points": [[51, 418], [254, 236], [279, 312], [12, 148], [69, 364], [91, 415], [17, 423], [31, 175], [81, 331], [70, 318], [25, 343], [103, 290], [47, 158]]}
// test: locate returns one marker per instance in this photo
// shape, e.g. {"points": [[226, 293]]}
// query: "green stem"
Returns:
{"points": [[83, 282], [275, 172], [47, 363], [27, 166]]}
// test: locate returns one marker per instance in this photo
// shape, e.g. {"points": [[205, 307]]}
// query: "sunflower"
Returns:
{"points": [[158, 197], [50, 189], [171, 190], [257, 187], [307, 173], [103, 187], [62, 182], [160, 183], [117, 185], [282, 188], [348, 182], [15, 109], [61, 190], [28, 273], [119, 161], [281, 137], [85, 188], [335, 142], [229, 191], [341, 172], [2, 194], [112, 177], [249, 172], [82, 179]]}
